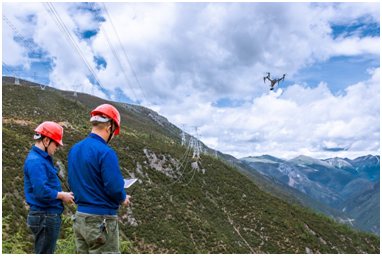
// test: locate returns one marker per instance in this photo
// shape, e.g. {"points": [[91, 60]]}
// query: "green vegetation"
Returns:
{"points": [[219, 211]]}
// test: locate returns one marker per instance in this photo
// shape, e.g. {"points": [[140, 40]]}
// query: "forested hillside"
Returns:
{"points": [[181, 205]]}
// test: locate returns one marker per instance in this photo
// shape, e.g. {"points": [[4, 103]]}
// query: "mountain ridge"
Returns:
{"points": [[338, 181]]}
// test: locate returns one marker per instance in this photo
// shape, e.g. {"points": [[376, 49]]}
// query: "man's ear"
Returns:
{"points": [[45, 141], [108, 129]]}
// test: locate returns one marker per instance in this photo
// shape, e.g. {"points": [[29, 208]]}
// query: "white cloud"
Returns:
{"points": [[187, 56], [314, 123], [356, 46]]}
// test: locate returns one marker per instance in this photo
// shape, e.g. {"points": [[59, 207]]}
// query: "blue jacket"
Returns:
{"points": [[94, 177], [41, 183]]}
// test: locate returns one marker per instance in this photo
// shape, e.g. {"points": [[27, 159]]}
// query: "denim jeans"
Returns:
{"points": [[45, 227]]}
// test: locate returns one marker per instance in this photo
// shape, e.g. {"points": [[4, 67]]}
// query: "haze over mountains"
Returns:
{"points": [[331, 181]]}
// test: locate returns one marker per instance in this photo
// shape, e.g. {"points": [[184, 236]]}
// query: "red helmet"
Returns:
{"points": [[51, 130], [109, 111]]}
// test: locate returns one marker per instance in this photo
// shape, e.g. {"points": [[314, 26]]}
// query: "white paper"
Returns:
{"points": [[129, 182]]}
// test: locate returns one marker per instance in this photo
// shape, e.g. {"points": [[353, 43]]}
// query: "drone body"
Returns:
{"points": [[274, 81]]}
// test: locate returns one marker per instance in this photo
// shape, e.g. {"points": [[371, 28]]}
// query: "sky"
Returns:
{"points": [[203, 64]]}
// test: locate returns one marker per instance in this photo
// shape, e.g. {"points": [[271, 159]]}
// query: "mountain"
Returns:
{"points": [[368, 167], [181, 204], [299, 173], [267, 164], [272, 185], [364, 206], [329, 181], [341, 163]]}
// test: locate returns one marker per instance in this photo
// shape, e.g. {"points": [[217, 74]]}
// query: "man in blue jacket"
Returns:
{"points": [[42, 188], [95, 178]]}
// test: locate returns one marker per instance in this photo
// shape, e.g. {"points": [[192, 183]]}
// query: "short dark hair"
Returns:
{"points": [[100, 125]]}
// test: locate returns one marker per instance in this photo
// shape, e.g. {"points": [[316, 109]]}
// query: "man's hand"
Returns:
{"points": [[66, 197], [127, 201]]}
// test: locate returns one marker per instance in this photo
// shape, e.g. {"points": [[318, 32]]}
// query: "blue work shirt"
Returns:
{"points": [[41, 183], [94, 177]]}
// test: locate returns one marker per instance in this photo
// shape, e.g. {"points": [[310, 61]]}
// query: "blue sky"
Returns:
{"points": [[202, 64]]}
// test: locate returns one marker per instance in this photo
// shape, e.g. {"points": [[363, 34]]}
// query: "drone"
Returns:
{"points": [[274, 81]]}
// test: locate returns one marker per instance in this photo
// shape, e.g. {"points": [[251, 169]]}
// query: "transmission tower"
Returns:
{"points": [[34, 78], [183, 134], [17, 78], [200, 144], [75, 88], [119, 96], [191, 142], [196, 144]]}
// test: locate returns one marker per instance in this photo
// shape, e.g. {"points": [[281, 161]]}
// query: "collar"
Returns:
{"points": [[97, 137], [43, 154]]}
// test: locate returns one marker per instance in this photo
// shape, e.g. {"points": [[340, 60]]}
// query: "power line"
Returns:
{"points": [[194, 169], [119, 40], [23, 82], [112, 49], [196, 144], [72, 42], [30, 48], [182, 171], [144, 38], [61, 25]]}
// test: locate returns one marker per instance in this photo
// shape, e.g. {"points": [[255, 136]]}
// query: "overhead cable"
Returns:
{"points": [[30, 48], [112, 49], [22, 82], [68, 36], [128, 61]]}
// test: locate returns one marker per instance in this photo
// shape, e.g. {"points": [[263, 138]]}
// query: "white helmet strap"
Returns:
{"points": [[101, 119]]}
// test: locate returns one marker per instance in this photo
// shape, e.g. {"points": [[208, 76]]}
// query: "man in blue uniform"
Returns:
{"points": [[42, 188], [95, 178]]}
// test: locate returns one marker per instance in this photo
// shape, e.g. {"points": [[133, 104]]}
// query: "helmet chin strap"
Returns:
{"points": [[46, 147], [112, 130], [39, 136]]}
